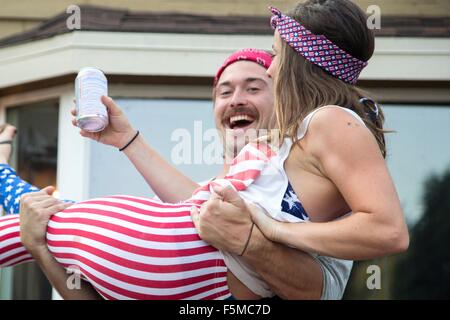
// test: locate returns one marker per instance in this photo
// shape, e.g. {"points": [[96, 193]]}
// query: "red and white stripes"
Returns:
{"points": [[136, 248], [244, 169], [128, 248], [12, 252]]}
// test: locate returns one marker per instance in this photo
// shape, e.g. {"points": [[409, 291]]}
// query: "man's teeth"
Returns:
{"points": [[237, 118]]}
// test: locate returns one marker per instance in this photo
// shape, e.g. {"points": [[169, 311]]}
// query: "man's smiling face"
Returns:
{"points": [[243, 99]]}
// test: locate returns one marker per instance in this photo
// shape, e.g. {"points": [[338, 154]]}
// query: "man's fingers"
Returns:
{"points": [[49, 202], [195, 216], [38, 195], [49, 190], [57, 208], [35, 198], [228, 194], [39, 202], [215, 196]]}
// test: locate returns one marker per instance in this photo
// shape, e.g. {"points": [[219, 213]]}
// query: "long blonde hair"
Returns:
{"points": [[301, 86]]}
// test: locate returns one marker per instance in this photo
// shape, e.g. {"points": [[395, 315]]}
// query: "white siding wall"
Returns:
{"points": [[73, 153]]}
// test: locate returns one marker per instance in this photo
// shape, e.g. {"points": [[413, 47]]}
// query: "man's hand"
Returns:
{"points": [[224, 220], [119, 130], [36, 208]]}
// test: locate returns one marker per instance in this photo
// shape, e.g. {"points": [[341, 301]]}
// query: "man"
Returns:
{"points": [[243, 100]]}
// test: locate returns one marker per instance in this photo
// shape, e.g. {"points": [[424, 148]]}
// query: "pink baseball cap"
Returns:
{"points": [[261, 57]]}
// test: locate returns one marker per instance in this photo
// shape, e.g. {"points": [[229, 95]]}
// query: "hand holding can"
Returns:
{"points": [[90, 85], [118, 130]]}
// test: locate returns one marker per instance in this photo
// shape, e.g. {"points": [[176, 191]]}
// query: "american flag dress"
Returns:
{"points": [[132, 247]]}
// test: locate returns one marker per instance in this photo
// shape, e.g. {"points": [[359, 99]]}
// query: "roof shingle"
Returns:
{"points": [[95, 18]]}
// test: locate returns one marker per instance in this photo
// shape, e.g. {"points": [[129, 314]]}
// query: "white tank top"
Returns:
{"points": [[271, 191]]}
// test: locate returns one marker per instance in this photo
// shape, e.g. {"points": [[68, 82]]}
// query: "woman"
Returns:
{"points": [[336, 159]]}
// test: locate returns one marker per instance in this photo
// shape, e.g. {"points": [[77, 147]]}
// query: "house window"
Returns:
{"points": [[34, 157], [416, 152], [160, 121]]}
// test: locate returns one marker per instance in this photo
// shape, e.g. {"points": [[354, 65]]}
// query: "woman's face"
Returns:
{"points": [[276, 49]]}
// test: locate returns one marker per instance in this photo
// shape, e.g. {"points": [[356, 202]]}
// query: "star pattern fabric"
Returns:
{"points": [[292, 205], [12, 187]]}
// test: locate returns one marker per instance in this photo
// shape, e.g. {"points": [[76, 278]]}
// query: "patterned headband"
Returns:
{"points": [[317, 48]]}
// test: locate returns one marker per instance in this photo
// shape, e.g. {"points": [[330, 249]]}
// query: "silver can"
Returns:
{"points": [[90, 85]]}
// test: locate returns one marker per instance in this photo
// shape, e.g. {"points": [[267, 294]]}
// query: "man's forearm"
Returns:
{"points": [[58, 277], [290, 273], [169, 184]]}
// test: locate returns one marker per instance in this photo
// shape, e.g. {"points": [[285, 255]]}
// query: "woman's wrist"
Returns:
{"points": [[136, 147], [130, 141], [125, 137]]}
